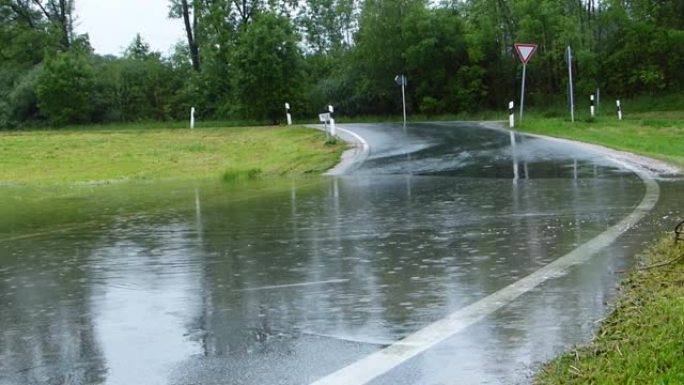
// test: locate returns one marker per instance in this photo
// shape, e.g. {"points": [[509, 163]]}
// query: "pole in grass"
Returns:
{"points": [[402, 81], [592, 108], [571, 94], [325, 118], [287, 114], [332, 121], [525, 53], [192, 118], [619, 109], [511, 114]]}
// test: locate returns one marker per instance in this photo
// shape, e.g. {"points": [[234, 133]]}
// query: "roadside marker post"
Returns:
{"points": [[525, 53], [287, 114], [592, 108], [619, 109], [511, 115], [332, 121], [325, 118], [192, 118]]}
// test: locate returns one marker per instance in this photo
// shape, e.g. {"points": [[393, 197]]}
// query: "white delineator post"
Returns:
{"points": [[511, 114], [287, 114], [192, 118], [592, 108], [332, 121], [619, 109]]}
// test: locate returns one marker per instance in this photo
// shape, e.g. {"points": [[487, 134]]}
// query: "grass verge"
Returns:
{"points": [[123, 153], [657, 135], [642, 341]]}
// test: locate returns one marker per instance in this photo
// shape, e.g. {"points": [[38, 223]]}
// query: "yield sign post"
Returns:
{"points": [[402, 81], [525, 53]]}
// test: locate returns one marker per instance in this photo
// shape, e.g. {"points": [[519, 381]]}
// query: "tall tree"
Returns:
{"points": [[188, 12], [66, 89], [328, 24], [268, 64], [59, 13]]}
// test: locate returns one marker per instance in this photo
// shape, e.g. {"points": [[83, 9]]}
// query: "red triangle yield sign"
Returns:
{"points": [[525, 51]]}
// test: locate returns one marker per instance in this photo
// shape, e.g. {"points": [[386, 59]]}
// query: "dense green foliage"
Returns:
{"points": [[245, 59]]}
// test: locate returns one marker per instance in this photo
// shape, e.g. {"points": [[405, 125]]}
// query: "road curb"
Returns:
{"points": [[352, 158]]}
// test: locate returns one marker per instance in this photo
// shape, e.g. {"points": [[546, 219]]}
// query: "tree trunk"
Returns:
{"points": [[190, 31]]}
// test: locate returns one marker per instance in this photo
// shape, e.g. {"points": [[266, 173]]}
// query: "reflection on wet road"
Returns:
{"points": [[261, 284]]}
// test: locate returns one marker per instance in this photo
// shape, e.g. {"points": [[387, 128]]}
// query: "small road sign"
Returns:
{"points": [[525, 51]]}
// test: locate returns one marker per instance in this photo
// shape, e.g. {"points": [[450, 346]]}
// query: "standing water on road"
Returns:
{"points": [[286, 282]]}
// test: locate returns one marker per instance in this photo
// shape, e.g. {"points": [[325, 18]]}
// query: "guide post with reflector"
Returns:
{"points": [[331, 109], [288, 115], [619, 109]]}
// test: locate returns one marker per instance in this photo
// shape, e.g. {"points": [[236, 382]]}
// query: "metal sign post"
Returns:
{"points": [[522, 91], [571, 94], [325, 118], [402, 81], [525, 53]]}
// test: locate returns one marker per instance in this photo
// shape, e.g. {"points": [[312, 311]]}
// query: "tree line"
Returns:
{"points": [[243, 59]]}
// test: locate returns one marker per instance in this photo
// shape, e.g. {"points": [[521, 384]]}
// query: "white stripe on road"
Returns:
{"points": [[380, 362], [301, 284]]}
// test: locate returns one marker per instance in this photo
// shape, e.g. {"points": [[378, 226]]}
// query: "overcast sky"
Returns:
{"points": [[112, 24]]}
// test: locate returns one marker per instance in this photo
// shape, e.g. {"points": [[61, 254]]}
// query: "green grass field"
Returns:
{"points": [[108, 154]]}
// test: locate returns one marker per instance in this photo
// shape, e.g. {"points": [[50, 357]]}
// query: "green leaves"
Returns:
{"points": [[66, 88], [244, 59], [267, 64]]}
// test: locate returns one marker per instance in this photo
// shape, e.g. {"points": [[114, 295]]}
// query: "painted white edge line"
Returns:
{"points": [[356, 157], [301, 284], [382, 361], [352, 157]]}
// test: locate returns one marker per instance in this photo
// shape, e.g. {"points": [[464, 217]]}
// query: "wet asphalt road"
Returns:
{"points": [[216, 284]]}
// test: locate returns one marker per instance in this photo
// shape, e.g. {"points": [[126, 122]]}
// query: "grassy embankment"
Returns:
{"points": [[642, 340], [84, 155], [657, 135]]}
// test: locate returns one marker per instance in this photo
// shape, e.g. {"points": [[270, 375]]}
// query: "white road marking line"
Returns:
{"points": [[380, 362], [301, 284]]}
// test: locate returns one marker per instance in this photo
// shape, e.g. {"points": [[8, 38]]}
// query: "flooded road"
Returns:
{"points": [[289, 282]]}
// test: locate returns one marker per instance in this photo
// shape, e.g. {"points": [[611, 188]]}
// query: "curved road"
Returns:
{"points": [[453, 254], [424, 162]]}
